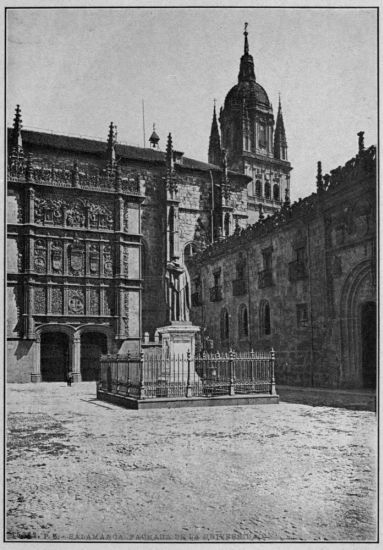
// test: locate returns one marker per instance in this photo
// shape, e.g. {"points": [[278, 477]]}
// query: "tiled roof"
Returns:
{"points": [[95, 147]]}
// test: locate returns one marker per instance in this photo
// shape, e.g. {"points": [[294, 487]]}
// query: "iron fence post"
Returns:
{"points": [[231, 370], [188, 386], [142, 383], [272, 365], [128, 374]]}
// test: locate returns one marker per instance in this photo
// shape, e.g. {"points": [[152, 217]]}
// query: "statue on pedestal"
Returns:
{"points": [[177, 292]]}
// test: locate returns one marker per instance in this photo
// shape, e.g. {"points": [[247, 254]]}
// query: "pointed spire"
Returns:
{"points": [[16, 133], [246, 68], [154, 138], [280, 142], [111, 147], [246, 47], [215, 153]]}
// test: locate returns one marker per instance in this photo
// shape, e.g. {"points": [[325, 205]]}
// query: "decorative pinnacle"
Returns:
{"points": [[169, 153], [17, 125], [246, 49], [361, 141], [319, 175], [112, 138]]}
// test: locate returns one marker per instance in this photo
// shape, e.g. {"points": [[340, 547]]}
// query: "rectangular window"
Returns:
{"points": [[267, 259], [302, 316]]}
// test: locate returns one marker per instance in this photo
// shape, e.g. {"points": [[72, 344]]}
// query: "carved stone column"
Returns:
{"points": [[36, 367], [76, 358]]}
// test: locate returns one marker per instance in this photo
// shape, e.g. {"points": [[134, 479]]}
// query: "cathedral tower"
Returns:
{"points": [[253, 146]]}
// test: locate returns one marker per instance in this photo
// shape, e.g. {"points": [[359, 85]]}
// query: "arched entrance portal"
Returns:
{"points": [[368, 328], [93, 344], [54, 356]]}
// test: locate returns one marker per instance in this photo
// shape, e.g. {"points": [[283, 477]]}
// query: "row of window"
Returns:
{"points": [[264, 320], [257, 190]]}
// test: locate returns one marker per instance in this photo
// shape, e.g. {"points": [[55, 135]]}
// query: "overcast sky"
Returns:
{"points": [[75, 70]]}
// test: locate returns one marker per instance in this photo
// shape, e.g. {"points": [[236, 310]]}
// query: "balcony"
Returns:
{"points": [[239, 287], [215, 293], [265, 278], [297, 271], [196, 299]]}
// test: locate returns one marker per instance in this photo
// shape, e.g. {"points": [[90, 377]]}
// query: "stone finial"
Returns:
{"points": [[319, 176], [361, 142], [17, 126], [75, 175], [111, 144], [261, 214], [169, 153]]}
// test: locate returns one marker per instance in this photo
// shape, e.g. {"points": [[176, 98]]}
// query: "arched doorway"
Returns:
{"points": [[368, 328], [93, 344], [54, 356]]}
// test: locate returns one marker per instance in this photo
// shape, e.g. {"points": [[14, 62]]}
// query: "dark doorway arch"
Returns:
{"points": [[368, 328], [54, 356], [93, 344]]}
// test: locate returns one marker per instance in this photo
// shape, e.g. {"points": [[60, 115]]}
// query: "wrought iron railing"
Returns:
{"points": [[239, 287], [297, 271], [215, 293], [206, 375], [265, 278]]}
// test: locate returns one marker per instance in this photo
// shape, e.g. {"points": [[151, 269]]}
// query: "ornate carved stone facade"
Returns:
{"points": [[64, 278]]}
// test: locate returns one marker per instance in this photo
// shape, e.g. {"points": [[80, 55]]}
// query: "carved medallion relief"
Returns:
{"points": [[76, 302]]}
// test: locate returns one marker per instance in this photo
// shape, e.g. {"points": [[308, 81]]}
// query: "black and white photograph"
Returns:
{"points": [[190, 275]]}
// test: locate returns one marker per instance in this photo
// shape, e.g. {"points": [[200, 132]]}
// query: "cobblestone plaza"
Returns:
{"points": [[84, 469]]}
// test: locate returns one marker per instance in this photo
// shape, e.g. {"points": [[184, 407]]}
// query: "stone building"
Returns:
{"points": [[301, 281], [107, 242], [251, 142], [92, 228]]}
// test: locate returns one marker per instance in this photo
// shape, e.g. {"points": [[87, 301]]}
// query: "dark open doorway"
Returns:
{"points": [[369, 344], [93, 344], [54, 356]]}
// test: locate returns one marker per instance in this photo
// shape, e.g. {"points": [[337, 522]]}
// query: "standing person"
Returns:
{"points": [[69, 378]]}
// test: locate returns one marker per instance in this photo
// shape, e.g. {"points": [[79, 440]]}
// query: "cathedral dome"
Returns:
{"points": [[249, 91]]}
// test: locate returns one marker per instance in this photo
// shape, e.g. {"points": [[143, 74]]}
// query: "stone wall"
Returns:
{"points": [[313, 264]]}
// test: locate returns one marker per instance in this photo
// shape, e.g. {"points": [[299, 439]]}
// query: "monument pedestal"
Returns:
{"points": [[177, 340]]}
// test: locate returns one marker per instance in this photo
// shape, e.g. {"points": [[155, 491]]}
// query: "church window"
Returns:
{"points": [[276, 192], [267, 190], [224, 325], [262, 136], [264, 318], [243, 322], [258, 188]]}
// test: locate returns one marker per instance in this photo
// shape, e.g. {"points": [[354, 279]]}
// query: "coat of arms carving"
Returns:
{"points": [[76, 255]]}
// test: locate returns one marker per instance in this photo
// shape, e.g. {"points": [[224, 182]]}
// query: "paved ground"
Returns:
{"points": [[358, 400], [83, 469]]}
